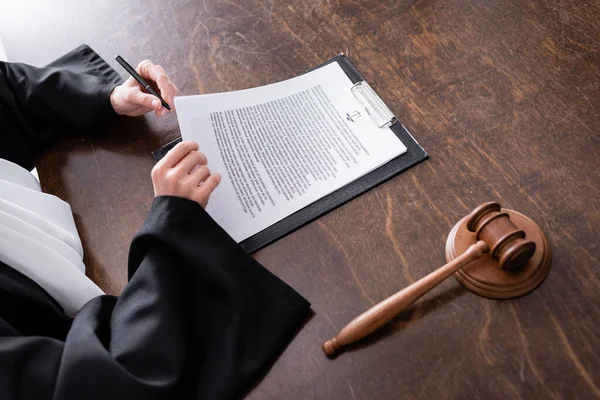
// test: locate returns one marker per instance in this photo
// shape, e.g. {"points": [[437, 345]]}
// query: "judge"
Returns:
{"points": [[199, 318]]}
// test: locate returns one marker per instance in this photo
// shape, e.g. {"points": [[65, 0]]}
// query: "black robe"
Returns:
{"points": [[199, 317]]}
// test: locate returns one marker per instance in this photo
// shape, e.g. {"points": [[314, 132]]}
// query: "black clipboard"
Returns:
{"points": [[414, 154]]}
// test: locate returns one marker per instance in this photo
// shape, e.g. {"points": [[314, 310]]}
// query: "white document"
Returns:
{"points": [[283, 146]]}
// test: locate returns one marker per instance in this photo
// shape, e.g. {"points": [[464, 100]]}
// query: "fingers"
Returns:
{"points": [[188, 162], [199, 175], [205, 190], [148, 70], [176, 154]]}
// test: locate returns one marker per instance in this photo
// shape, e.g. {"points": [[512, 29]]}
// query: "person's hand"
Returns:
{"points": [[130, 99], [183, 173]]}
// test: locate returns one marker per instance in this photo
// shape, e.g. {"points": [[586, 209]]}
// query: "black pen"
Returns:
{"points": [[141, 80]]}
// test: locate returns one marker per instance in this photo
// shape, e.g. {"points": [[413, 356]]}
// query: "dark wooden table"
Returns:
{"points": [[504, 95]]}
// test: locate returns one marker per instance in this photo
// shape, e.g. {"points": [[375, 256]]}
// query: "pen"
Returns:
{"points": [[141, 80]]}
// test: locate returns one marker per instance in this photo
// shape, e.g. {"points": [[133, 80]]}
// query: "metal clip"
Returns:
{"points": [[381, 115]]}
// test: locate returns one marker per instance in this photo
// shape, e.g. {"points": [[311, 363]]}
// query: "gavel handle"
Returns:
{"points": [[382, 313]]}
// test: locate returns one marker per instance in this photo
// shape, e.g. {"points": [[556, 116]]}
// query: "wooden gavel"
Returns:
{"points": [[494, 232]]}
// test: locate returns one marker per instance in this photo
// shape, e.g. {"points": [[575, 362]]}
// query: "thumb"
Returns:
{"points": [[147, 100]]}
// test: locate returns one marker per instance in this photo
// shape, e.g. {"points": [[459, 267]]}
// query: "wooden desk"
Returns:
{"points": [[505, 96]]}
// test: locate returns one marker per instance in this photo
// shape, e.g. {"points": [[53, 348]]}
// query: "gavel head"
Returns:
{"points": [[507, 242]]}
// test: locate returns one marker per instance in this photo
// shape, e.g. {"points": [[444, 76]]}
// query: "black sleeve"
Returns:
{"points": [[38, 105], [199, 319]]}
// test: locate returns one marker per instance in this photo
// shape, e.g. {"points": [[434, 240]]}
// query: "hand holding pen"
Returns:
{"points": [[137, 95]]}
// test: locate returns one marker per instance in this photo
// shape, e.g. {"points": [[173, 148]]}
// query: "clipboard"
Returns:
{"points": [[382, 117]]}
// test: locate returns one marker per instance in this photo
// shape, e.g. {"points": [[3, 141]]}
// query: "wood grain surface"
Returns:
{"points": [[505, 97]]}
